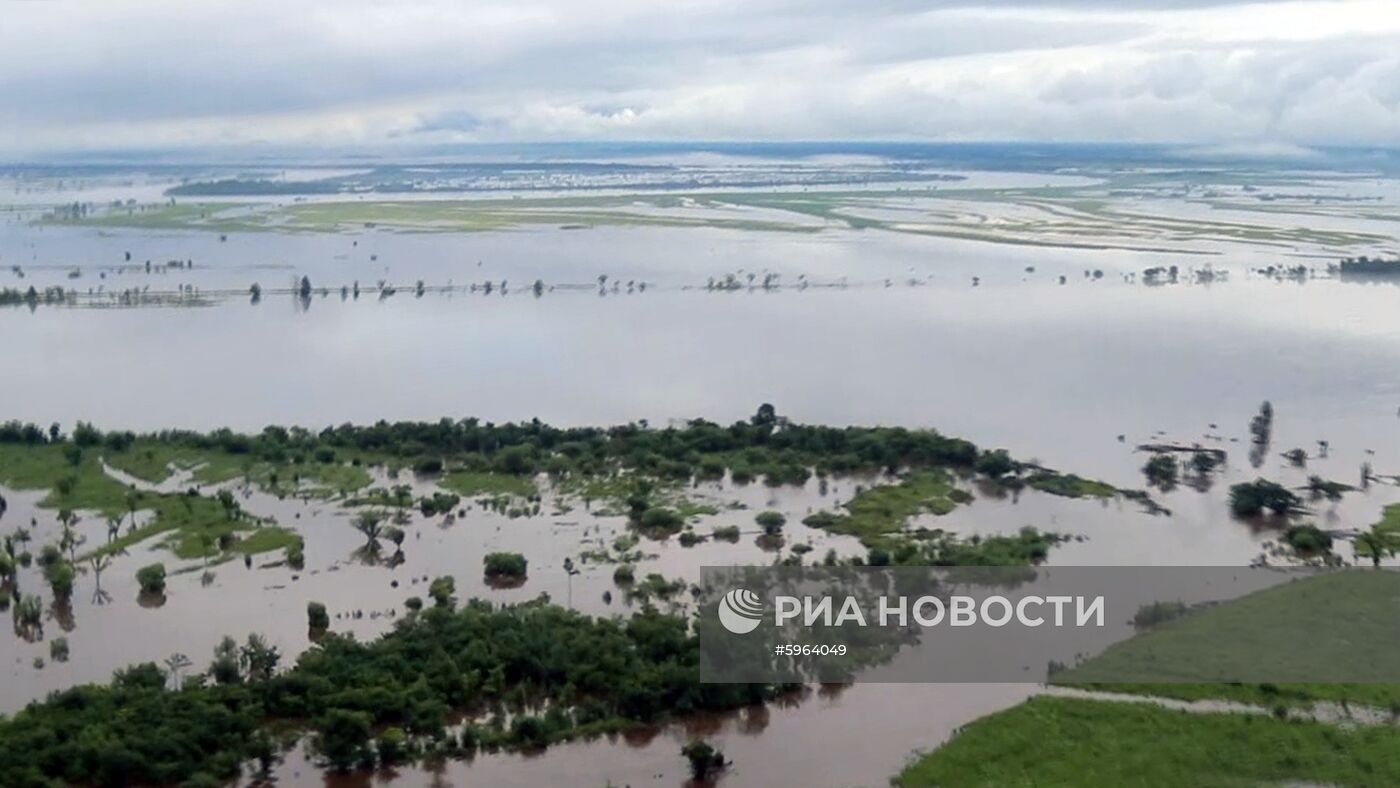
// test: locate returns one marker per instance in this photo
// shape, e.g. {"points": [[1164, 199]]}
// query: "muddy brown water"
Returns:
{"points": [[1047, 371]]}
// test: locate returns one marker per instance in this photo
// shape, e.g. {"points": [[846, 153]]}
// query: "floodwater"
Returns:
{"points": [[1054, 372], [842, 736]]}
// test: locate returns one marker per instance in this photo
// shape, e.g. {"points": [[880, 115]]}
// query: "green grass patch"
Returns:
{"points": [[83, 485], [194, 523], [688, 508], [328, 479], [885, 509], [1291, 633], [1067, 741], [1069, 485], [155, 461], [266, 539]]}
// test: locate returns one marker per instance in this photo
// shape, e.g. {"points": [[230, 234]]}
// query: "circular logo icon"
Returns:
{"points": [[740, 611]]}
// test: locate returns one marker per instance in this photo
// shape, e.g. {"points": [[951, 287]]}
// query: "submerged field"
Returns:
{"points": [[623, 507], [1174, 211]]}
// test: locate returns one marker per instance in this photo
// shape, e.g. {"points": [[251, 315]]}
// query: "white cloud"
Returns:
{"points": [[160, 73]]}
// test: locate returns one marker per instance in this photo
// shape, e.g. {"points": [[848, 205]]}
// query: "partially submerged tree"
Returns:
{"points": [[505, 565], [151, 578], [1249, 499], [1161, 471], [370, 523], [771, 522], [704, 759], [317, 619]]}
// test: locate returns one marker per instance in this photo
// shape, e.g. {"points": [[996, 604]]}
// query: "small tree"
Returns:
{"points": [[441, 590], [60, 576], [29, 611], [1252, 498], [133, 501], [229, 504], [225, 668], [1161, 470], [995, 464], [151, 578], [1203, 462], [659, 518], [371, 524], [505, 565], [396, 535], [258, 658], [296, 558], [771, 522], [704, 759], [317, 619]]}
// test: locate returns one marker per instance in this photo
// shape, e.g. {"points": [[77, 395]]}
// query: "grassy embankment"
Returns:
{"points": [[1335, 619], [1051, 741]]}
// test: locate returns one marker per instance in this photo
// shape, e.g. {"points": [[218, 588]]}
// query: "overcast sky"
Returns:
{"points": [[82, 75]]}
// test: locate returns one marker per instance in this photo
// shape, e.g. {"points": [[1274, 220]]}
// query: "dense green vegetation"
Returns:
{"points": [[1161, 470], [1050, 741], [1308, 540], [151, 578], [510, 566], [635, 470], [1250, 499], [481, 457], [595, 675]]}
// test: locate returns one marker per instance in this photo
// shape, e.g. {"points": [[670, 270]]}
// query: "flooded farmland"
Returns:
{"points": [[1065, 357]]}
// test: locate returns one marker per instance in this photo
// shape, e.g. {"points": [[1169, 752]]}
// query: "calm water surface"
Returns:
{"points": [[1049, 371]]}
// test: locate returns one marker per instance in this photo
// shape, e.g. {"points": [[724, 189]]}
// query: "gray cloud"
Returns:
{"points": [[162, 73]]}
